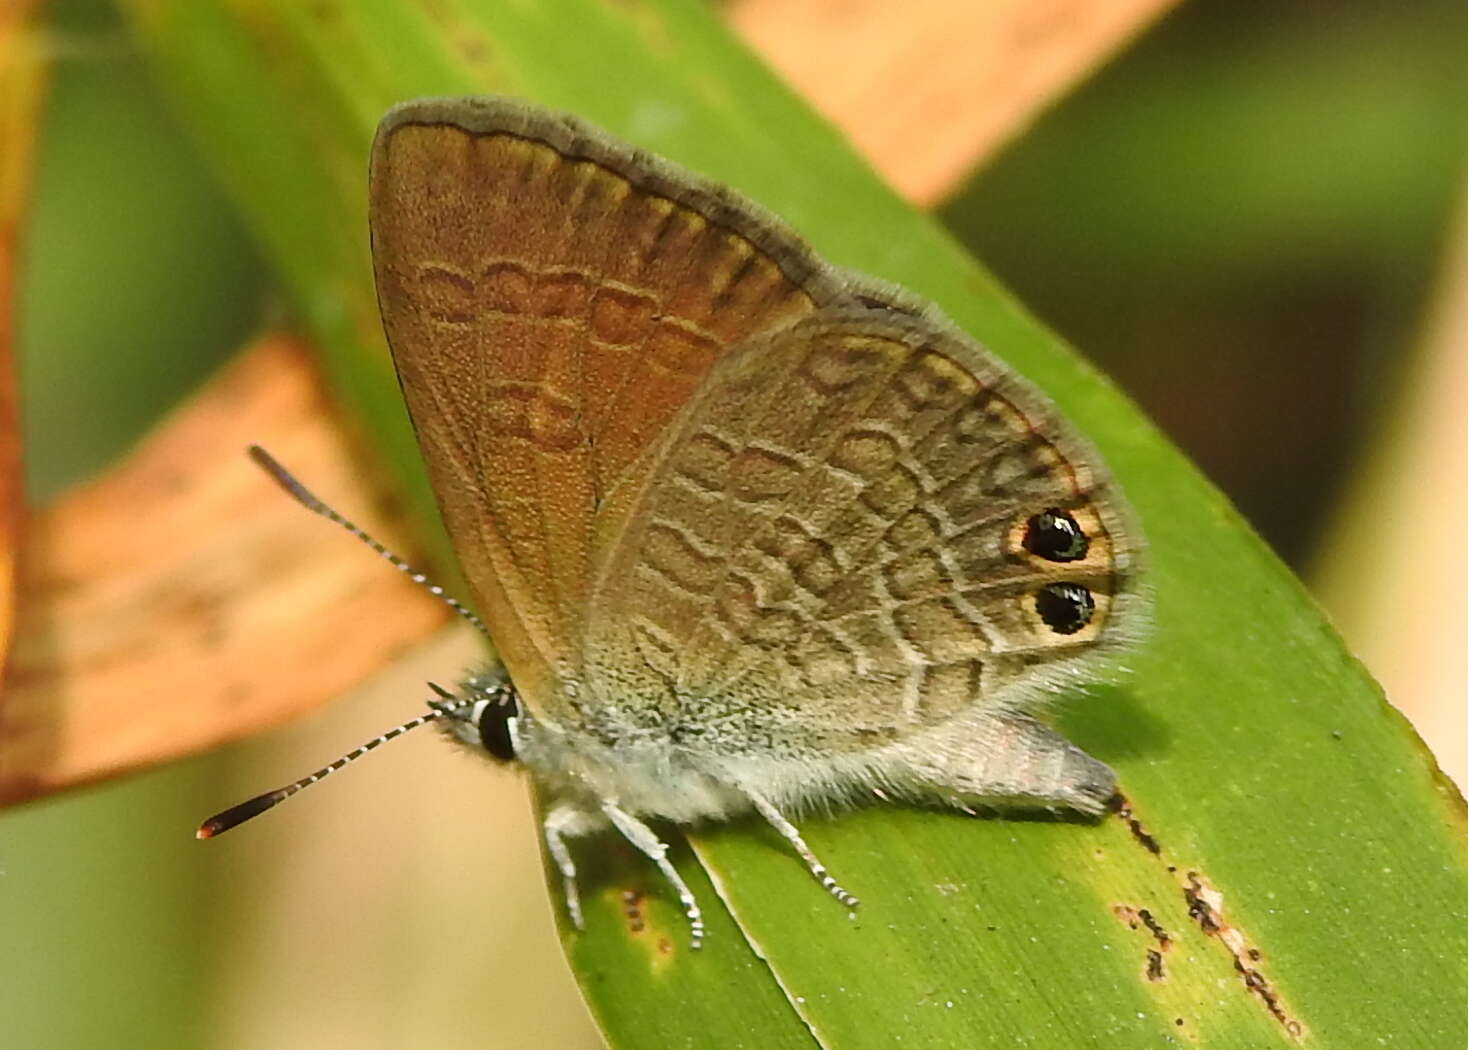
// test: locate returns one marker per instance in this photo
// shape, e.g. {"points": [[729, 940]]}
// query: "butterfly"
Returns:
{"points": [[748, 532]]}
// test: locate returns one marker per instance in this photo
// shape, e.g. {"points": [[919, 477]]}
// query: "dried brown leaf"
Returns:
{"points": [[160, 603], [927, 89], [22, 82]]}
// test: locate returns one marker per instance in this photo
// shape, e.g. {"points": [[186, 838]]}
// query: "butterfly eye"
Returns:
{"points": [[1054, 535], [1065, 607], [494, 729]]}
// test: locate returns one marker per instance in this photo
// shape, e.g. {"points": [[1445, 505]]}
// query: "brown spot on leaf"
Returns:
{"points": [[632, 910], [1144, 837], [1141, 919], [1205, 907], [1160, 935], [1154, 965]]}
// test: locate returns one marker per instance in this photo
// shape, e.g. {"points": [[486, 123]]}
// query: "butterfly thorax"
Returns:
{"points": [[646, 770]]}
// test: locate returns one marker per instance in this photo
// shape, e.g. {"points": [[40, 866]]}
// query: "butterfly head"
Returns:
{"points": [[482, 714]]}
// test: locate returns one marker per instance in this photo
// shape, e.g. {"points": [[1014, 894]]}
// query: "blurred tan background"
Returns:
{"points": [[1246, 217]]}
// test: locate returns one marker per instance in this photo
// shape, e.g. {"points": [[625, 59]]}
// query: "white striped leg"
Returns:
{"points": [[562, 822], [792, 835], [656, 850]]}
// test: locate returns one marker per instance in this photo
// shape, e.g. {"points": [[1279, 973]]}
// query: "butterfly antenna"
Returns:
{"points": [[306, 498], [237, 815]]}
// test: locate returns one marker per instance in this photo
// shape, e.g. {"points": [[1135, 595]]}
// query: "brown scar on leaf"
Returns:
{"points": [[1138, 918], [1205, 907], [1141, 918], [1154, 965], [1123, 809], [632, 910], [641, 923], [1160, 935]]}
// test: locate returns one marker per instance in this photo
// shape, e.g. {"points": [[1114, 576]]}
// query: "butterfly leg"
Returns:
{"points": [[642, 836], [563, 822], [792, 835]]}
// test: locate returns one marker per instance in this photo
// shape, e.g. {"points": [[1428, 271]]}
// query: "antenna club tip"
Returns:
{"points": [[264, 459], [237, 815], [214, 826]]}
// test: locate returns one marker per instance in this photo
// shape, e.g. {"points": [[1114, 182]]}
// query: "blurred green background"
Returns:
{"points": [[1239, 219]]}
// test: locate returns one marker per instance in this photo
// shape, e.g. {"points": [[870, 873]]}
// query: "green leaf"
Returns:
{"points": [[1293, 868]]}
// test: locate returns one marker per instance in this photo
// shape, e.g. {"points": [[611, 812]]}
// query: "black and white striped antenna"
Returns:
{"points": [[306, 498], [446, 706]]}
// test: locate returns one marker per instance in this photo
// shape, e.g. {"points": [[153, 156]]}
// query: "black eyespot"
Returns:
{"points": [[1054, 535], [494, 728], [1065, 607]]}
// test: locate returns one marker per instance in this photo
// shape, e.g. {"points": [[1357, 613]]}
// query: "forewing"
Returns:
{"points": [[551, 300], [834, 536]]}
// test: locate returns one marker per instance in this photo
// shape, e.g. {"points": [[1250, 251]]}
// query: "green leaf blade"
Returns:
{"points": [[1295, 814]]}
